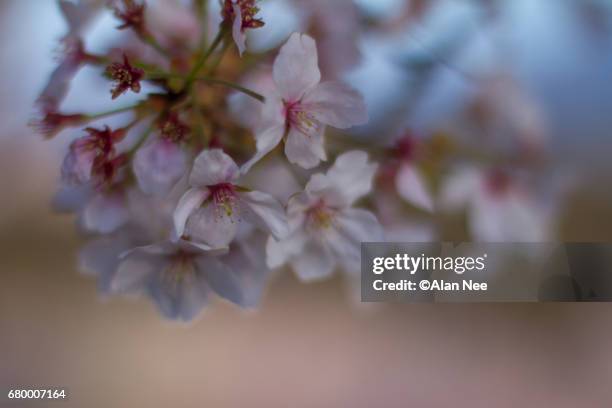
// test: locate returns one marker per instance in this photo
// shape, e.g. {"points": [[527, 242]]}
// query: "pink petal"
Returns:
{"points": [[336, 104], [266, 212], [412, 188], [266, 142], [352, 227], [72, 198], [213, 167], [134, 271], [179, 301], [221, 279], [351, 177], [253, 281], [77, 166], [158, 166], [105, 213], [306, 151], [314, 262], [237, 32], [460, 189], [187, 205], [212, 227], [513, 218], [58, 85], [296, 68], [280, 252]]}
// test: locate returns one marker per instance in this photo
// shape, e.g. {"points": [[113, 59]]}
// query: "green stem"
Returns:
{"points": [[202, 10], [112, 112], [210, 80], [234, 86], [204, 57]]}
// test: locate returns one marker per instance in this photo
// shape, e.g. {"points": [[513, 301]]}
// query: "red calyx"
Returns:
{"points": [[248, 10], [125, 76], [131, 15]]}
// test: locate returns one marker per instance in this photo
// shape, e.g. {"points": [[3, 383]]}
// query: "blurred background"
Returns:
{"points": [[432, 65]]}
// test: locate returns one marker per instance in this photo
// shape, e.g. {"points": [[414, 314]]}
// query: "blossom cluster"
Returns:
{"points": [[232, 165]]}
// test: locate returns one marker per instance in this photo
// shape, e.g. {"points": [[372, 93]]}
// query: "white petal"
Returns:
{"points": [[98, 257], [360, 225], [187, 205], [460, 189], [266, 212], [296, 68], [101, 257], [412, 187], [158, 166], [266, 142], [351, 227], [169, 248], [77, 166], [336, 104], [179, 300], [212, 227], [213, 167], [297, 206], [306, 151], [253, 280], [105, 213], [349, 179], [313, 263], [509, 218], [280, 252], [194, 298], [237, 33], [221, 279], [59, 83], [198, 248], [135, 271], [71, 198]]}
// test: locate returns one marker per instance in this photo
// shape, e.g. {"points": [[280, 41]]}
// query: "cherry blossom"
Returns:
{"points": [[159, 165], [100, 257], [499, 208], [211, 209], [94, 176], [178, 276], [249, 248], [131, 13], [302, 106], [94, 153], [171, 215], [73, 57], [51, 123], [162, 161], [409, 181], [241, 15], [325, 229]]}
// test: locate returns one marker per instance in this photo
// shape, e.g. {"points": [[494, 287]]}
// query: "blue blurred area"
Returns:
{"points": [[558, 51]]}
